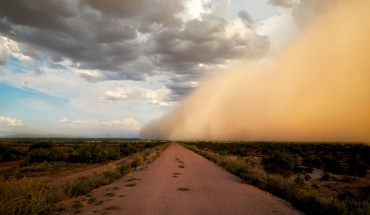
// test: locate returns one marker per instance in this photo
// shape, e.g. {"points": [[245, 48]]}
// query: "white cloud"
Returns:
{"points": [[4, 58], [64, 120], [159, 97], [279, 28], [11, 47], [126, 124], [7, 121], [129, 124], [84, 123]]}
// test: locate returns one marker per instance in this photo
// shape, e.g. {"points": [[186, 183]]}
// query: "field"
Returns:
{"points": [[36, 174], [334, 176]]}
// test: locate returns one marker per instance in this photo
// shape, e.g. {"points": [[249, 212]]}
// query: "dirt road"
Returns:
{"points": [[212, 190]]}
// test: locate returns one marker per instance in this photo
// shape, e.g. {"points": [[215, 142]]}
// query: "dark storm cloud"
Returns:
{"points": [[46, 14], [204, 41], [70, 30], [128, 39], [244, 15], [180, 90]]}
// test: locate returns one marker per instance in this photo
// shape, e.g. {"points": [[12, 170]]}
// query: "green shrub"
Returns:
{"points": [[46, 154], [113, 153], [92, 153], [280, 162], [8, 153], [42, 145], [127, 149]]}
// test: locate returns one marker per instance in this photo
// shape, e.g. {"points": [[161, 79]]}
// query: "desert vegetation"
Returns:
{"points": [[318, 178], [40, 157], [24, 193]]}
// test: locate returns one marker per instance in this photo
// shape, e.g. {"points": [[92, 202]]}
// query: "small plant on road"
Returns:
{"points": [[110, 194], [183, 189], [113, 207], [91, 200], [176, 174], [77, 205], [131, 185], [99, 202]]}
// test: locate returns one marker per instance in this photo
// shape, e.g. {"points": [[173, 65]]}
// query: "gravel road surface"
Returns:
{"points": [[212, 190]]}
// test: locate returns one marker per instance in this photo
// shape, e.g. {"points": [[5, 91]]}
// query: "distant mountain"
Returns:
{"points": [[25, 135], [62, 136]]}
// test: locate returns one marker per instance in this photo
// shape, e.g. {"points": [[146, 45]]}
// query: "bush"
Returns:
{"points": [[312, 162], [113, 153], [127, 149], [8, 153], [46, 154], [24, 196], [78, 187], [332, 165], [92, 153], [42, 145], [280, 162]]}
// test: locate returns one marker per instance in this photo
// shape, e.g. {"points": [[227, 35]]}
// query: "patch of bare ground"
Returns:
{"points": [[340, 185]]}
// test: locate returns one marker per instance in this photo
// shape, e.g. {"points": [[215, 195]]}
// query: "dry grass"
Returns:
{"points": [[291, 190]]}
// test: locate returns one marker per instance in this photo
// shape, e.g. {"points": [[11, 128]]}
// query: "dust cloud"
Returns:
{"points": [[317, 89]]}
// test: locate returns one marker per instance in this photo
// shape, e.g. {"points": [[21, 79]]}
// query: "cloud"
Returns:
{"points": [[4, 57], [211, 40], [124, 124], [128, 40], [64, 120], [160, 97], [181, 90], [129, 124], [282, 3], [7, 121]]}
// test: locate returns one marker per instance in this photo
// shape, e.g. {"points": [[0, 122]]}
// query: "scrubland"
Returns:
{"points": [[317, 178]]}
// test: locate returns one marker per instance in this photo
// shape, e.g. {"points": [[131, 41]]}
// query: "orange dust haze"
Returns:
{"points": [[317, 89]]}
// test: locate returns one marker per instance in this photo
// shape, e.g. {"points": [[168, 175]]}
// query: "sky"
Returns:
{"points": [[91, 68]]}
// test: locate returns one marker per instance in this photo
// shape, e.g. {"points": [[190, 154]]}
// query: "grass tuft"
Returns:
{"points": [[99, 202], [113, 207], [91, 200], [110, 194], [183, 189]]}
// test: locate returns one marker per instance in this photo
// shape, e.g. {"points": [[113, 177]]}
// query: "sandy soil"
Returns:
{"points": [[154, 190]]}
